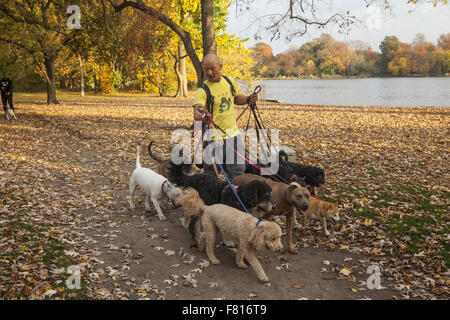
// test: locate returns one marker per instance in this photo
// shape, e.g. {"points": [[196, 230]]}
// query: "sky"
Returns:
{"points": [[374, 24]]}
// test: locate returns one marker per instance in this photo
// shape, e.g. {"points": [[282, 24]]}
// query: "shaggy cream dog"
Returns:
{"points": [[287, 198], [237, 226]]}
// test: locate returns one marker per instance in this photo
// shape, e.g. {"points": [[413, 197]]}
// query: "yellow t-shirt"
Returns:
{"points": [[224, 114]]}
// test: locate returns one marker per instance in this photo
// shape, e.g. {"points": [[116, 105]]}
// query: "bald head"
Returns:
{"points": [[212, 67], [211, 58]]}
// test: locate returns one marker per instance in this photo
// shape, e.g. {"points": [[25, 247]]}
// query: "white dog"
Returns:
{"points": [[10, 114], [155, 186]]}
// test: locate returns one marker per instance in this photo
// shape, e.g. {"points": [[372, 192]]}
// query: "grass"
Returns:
{"points": [[32, 247], [373, 172], [422, 221], [408, 227], [364, 211]]}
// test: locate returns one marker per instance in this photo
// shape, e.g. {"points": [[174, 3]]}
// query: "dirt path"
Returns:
{"points": [[154, 259]]}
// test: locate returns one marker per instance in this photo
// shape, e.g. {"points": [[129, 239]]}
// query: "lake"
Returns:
{"points": [[361, 92]]}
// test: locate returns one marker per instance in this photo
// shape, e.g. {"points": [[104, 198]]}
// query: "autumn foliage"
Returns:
{"points": [[327, 57]]}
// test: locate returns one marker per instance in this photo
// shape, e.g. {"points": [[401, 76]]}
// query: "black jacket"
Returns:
{"points": [[6, 85]]}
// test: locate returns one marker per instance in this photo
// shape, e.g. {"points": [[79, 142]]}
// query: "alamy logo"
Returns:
{"points": [[74, 21], [374, 281], [74, 281], [182, 151]]}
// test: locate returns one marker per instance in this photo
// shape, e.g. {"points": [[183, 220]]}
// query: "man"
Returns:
{"points": [[223, 115], [6, 87]]}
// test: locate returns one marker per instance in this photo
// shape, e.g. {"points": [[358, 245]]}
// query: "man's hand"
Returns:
{"points": [[200, 114], [205, 117], [252, 98], [201, 109]]}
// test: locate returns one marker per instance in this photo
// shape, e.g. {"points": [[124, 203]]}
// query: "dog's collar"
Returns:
{"points": [[162, 186], [292, 178], [234, 186]]}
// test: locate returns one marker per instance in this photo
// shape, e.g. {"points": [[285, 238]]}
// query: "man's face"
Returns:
{"points": [[212, 70], [5, 75]]}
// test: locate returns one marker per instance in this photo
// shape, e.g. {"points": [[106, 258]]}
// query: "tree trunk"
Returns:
{"points": [[181, 72], [177, 72], [95, 83], [49, 61], [81, 76], [208, 30]]}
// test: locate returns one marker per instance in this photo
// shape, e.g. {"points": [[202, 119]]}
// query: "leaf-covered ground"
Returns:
{"points": [[64, 174]]}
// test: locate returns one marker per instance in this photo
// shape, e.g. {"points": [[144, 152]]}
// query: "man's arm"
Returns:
{"points": [[241, 99]]}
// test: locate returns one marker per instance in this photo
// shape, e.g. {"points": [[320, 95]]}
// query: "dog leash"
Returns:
{"points": [[209, 116], [233, 188], [235, 151], [228, 180]]}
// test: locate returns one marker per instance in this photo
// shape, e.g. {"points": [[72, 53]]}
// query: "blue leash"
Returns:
{"points": [[232, 187]]}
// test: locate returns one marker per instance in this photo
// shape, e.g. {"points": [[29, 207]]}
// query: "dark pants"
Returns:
{"points": [[7, 98], [232, 164]]}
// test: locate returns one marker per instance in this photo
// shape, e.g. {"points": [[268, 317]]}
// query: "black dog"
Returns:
{"points": [[208, 186], [314, 176], [255, 195], [212, 190], [285, 173]]}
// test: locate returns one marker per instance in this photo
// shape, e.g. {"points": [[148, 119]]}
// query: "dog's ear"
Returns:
{"points": [[257, 238]]}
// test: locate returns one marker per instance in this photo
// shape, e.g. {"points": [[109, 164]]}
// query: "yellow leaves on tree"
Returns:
{"points": [[236, 59], [398, 66]]}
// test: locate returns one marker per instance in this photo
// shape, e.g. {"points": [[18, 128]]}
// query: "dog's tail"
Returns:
{"points": [[149, 149], [138, 161], [193, 207]]}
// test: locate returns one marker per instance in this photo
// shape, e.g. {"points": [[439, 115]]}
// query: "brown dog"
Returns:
{"points": [[322, 210], [287, 198]]}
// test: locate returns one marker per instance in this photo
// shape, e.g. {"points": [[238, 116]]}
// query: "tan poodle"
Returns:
{"points": [[234, 225]]}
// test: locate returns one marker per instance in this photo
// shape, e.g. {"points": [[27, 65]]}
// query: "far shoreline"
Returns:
{"points": [[67, 97], [329, 77]]}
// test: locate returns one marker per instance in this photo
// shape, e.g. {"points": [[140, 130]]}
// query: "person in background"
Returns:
{"points": [[6, 88]]}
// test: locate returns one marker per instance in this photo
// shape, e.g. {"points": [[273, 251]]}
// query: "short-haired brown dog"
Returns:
{"points": [[322, 210], [287, 198]]}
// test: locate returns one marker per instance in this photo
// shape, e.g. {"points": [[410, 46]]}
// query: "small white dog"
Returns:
{"points": [[155, 186], [10, 114]]}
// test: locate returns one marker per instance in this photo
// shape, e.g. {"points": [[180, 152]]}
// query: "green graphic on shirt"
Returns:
{"points": [[224, 103]]}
